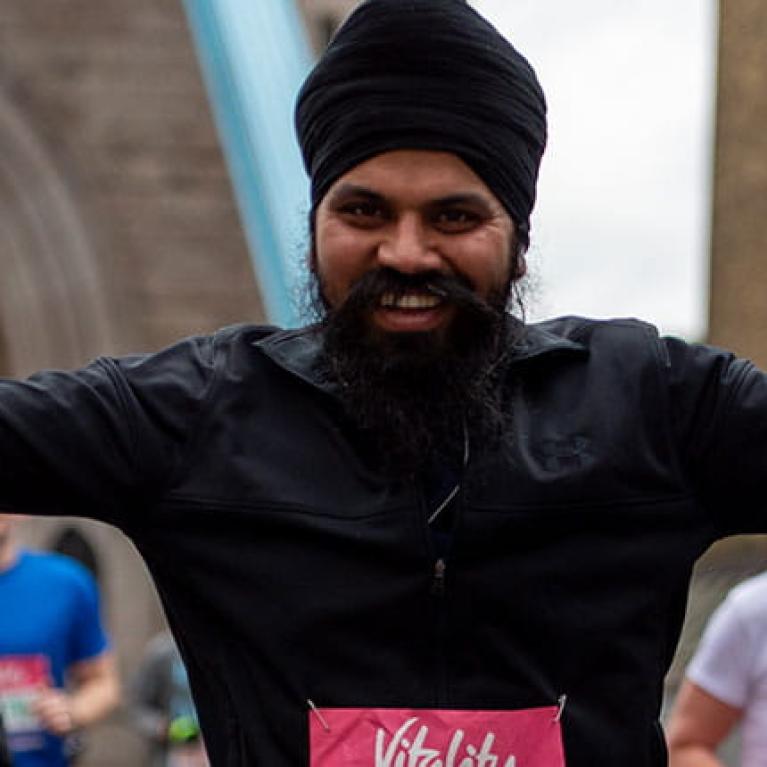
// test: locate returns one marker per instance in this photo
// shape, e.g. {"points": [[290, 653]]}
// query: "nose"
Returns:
{"points": [[407, 247]]}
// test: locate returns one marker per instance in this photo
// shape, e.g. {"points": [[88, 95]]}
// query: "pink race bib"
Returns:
{"points": [[365, 737], [21, 679]]}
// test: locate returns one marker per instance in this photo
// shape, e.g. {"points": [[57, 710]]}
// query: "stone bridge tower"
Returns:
{"points": [[738, 303]]}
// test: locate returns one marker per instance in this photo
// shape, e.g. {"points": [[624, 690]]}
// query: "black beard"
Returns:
{"points": [[419, 396]]}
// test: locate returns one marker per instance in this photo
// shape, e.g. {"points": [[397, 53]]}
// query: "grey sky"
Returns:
{"points": [[622, 223]]}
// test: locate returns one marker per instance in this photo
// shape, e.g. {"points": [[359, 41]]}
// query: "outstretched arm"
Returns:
{"points": [[99, 441]]}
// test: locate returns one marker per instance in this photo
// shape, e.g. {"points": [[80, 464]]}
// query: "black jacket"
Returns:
{"points": [[291, 569]]}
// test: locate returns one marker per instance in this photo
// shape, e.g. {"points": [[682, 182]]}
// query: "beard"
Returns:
{"points": [[418, 397]]}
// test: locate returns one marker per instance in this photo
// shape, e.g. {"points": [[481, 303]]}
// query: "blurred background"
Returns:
{"points": [[150, 188]]}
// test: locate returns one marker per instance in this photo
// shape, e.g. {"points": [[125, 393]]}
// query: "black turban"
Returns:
{"points": [[424, 74]]}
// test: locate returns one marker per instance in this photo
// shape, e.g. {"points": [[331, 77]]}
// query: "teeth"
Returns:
{"points": [[410, 301]]}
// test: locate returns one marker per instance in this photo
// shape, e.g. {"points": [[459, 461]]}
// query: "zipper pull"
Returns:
{"points": [[438, 581]]}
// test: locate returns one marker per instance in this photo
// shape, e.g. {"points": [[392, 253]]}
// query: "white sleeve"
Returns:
{"points": [[723, 662]]}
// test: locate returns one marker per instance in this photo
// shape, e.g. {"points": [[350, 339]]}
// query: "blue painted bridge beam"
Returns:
{"points": [[254, 56]]}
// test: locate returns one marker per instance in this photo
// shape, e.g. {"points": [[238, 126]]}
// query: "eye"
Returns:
{"points": [[363, 213], [456, 220]]}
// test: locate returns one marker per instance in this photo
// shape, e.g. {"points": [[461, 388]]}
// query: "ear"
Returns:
{"points": [[520, 265]]}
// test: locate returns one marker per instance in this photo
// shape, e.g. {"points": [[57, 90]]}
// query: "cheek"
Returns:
{"points": [[337, 265], [341, 249], [488, 265]]}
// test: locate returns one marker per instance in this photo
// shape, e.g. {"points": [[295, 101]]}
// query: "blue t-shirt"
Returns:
{"points": [[49, 620]]}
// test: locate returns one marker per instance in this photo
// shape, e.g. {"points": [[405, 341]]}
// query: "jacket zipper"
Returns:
{"points": [[439, 595], [438, 585], [438, 578]]}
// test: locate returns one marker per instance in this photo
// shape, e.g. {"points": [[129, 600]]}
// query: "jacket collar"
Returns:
{"points": [[539, 341], [298, 351]]}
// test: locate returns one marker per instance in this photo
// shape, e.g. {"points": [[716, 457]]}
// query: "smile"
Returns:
{"points": [[410, 301]]}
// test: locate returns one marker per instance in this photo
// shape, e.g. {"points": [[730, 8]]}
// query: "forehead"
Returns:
{"points": [[414, 173]]}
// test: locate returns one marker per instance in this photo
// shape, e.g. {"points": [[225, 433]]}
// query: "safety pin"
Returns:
{"points": [[560, 708], [316, 712]]}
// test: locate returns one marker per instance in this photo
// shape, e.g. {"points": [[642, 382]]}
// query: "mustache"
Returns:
{"points": [[371, 287]]}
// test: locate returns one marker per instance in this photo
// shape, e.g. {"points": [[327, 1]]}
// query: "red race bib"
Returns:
{"points": [[365, 737]]}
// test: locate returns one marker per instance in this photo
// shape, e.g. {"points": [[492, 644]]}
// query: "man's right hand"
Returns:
{"points": [[54, 710]]}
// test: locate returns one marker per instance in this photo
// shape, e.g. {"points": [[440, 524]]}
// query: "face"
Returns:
{"points": [[414, 212]]}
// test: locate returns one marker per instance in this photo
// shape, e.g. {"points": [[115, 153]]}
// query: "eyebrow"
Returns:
{"points": [[463, 198], [459, 198], [354, 190]]}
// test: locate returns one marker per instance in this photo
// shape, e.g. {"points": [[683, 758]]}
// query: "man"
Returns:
{"points": [[726, 684], [162, 708], [419, 532], [57, 674]]}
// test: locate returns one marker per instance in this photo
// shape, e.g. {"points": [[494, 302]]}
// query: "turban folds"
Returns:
{"points": [[424, 74]]}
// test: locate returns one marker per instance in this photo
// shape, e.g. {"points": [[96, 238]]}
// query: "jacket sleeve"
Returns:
{"points": [[719, 412], [101, 440]]}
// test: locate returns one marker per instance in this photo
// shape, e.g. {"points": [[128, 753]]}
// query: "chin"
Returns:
{"points": [[410, 342]]}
